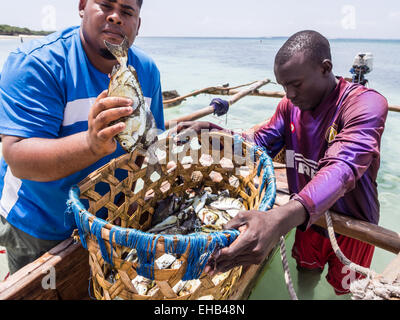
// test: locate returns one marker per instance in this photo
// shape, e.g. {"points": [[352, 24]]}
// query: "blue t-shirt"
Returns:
{"points": [[47, 88]]}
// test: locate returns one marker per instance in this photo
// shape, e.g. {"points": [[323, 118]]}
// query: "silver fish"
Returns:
{"points": [[230, 205], [165, 261], [213, 218], [132, 256], [167, 223], [142, 284], [140, 131]]}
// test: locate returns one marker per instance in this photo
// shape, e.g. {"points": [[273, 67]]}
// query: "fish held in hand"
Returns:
{"points": [[140, 130]]}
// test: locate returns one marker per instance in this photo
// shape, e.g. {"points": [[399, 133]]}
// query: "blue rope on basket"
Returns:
{"points": [[201, 246]]}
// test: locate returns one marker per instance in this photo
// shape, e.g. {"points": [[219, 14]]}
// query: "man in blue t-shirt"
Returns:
{"points": [[55, 122]]}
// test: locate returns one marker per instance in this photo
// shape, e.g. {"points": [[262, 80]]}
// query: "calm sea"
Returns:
{"points": [[187, 64]]}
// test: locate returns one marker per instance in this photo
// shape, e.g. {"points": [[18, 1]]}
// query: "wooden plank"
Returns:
{"points": [[68, 261]]}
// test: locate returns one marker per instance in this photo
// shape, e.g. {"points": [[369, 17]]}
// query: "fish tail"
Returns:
{"points": [[119, 51]]}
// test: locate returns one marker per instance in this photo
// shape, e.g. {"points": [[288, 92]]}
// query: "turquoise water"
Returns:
{"points": [[187, 64]]}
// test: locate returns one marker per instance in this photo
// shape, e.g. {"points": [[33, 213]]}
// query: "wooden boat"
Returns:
{"points": [[69, 260]]}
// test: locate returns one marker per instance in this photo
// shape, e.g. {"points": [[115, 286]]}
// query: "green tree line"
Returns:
{"points": [[8, 30]]}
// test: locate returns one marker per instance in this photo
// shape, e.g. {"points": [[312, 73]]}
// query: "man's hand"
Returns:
{"points": [[41, 159], [100, 135], [189, 128], [259, 233]]}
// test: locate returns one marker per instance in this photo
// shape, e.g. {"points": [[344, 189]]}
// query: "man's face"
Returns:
{"points": [[109, 20], [305, 82]]}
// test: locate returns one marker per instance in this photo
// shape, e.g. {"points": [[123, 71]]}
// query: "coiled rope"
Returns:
{"points": [[372, 287]]}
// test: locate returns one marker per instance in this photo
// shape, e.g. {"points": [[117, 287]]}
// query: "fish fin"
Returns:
{"points": [[114, 70], [119, 51], [133, 70]]}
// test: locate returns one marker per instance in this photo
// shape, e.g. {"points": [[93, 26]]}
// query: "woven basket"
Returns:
{"points": [[129, 203]]}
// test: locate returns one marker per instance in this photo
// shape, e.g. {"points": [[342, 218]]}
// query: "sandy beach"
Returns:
{"points": [[23, 36]]}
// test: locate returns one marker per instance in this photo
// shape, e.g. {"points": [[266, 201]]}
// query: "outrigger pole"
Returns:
{"points": [[228, 91], [210, 109]]}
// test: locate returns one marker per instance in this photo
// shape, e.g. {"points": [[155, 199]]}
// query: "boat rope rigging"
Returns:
{"points": [[372, 287]]}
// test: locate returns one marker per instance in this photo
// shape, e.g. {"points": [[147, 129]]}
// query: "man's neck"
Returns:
{"points": [[333, 82], [100, 63]]}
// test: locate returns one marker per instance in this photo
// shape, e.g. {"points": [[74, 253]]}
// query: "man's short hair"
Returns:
{"points": [[139, 3], [313, 44]]}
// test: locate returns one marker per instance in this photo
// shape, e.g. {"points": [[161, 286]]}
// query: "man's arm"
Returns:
{"points": [[259, 232], [42, 159], [268, 134], [345, 161], [348, 157]]}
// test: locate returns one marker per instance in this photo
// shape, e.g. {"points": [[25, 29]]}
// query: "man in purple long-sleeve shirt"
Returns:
{"points": [[332, 131]]}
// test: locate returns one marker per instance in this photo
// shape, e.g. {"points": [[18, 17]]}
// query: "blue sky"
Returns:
{"points": [[232, 18]]}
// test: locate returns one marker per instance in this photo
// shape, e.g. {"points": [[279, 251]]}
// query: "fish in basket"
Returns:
{"points": [[151, 239]]}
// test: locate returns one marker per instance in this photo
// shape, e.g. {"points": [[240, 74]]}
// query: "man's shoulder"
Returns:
{"points": [[55, 42], [44, 56], [143, 59], [363, 99]]}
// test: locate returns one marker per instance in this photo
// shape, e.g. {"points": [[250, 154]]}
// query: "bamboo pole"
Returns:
{"points": [[210, 109], [394, 108], [208, 90], [361, 230], [257, 93], [367, 232]]}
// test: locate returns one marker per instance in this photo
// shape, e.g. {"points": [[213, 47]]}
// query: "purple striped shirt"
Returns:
{"points": [[332, 151]]}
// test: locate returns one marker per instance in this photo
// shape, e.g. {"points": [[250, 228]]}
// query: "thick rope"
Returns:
{"points": [[372, 287], [288, 278], [343, 259]]}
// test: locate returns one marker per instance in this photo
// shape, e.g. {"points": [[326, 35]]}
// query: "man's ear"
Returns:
{"points": [[327, 67], [82, 5], [138, 28]]}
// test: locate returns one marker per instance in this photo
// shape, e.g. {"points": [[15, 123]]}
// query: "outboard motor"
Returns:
{"points": [[361, 66]]}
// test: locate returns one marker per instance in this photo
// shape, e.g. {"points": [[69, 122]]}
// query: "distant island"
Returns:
{"points": [[7, 30]]}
